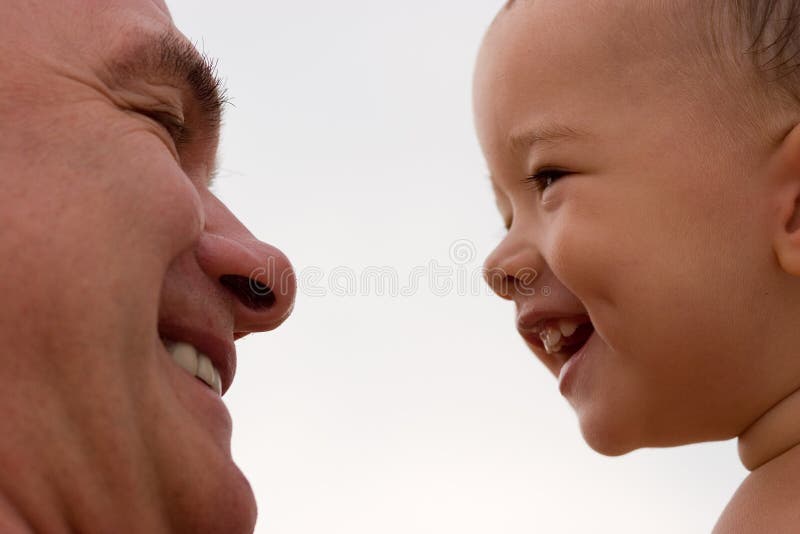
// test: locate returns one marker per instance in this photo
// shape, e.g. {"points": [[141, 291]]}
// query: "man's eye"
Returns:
{"points": [[544, 178], [173, 125]]}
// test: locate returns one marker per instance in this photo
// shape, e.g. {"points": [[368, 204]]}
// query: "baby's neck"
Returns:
{"points": [[772, 435]]}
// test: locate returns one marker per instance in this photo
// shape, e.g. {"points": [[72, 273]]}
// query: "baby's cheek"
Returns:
{"points": [[623, 275], [589, 261]]}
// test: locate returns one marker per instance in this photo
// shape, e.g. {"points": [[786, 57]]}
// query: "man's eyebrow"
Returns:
{"points": [[174, 58], [552, 133]]}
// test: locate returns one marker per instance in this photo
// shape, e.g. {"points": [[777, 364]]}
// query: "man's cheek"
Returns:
{"points": [[166, 205], [180, 217]]}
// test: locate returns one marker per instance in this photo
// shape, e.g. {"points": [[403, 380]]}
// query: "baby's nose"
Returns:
{"points": [[512, 269]]}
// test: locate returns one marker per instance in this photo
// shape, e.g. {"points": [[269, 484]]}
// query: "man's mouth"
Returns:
{"points": [[195, 363], [208, 356]]}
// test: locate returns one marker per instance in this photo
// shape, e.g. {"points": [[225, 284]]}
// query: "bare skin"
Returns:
{"points": [[113, 242], [658, 213]]}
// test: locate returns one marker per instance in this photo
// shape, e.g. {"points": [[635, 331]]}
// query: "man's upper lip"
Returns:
{"points": [[219, 348]]}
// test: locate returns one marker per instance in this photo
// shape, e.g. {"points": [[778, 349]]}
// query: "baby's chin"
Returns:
{"points": [[614, 423], [607, 435], [608, 443], [611, 431]]}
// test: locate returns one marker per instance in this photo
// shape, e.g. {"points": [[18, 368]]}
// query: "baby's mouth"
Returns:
{"points": [[560, 336]]}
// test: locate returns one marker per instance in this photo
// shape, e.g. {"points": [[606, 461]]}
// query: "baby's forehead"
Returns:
{"points": [[587, 41], [621, 24], [633, 46], [623, 70]]}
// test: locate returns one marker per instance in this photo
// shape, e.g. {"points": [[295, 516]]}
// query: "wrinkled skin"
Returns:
{"points": [[674, 232], [108, 233]]}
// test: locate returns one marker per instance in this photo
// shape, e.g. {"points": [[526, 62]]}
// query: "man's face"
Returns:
{"points": [[654, 227], [114, 248]]}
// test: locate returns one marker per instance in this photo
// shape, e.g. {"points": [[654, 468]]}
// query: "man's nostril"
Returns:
{"points": [[252, 293]]}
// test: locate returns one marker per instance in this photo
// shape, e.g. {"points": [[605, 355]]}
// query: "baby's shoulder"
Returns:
{"points": [[767, 501]]}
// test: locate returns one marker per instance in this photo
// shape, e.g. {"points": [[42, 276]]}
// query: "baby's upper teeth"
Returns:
{"points": [[567, 327], [551, 337], [197, 364]]}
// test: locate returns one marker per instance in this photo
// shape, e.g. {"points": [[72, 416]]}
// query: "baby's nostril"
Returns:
{"points": [[252, 293]]}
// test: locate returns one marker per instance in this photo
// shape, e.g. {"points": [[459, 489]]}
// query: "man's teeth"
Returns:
{"points": [[196, 364], [553, 336]]}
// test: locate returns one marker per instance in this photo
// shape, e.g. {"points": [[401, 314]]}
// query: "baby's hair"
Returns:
{"points": [[750, 47], [767, 33], [764, 32]]}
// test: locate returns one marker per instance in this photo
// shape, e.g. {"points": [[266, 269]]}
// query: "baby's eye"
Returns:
{"points": [[544, 178]]}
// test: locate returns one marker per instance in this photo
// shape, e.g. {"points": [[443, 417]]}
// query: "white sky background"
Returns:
{"points": [[351, 145]]}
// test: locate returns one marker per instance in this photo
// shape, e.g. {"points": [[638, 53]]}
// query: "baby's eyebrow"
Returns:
{"points": [[551, 133]]}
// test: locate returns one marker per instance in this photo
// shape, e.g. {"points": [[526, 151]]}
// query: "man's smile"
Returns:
{"points": [[207, 356]]}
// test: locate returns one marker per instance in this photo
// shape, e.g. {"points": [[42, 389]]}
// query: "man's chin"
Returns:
{"points": [[208, 492], [236, 506], [226, 504], [198, 406]]}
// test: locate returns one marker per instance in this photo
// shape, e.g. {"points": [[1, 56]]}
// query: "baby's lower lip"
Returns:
{"points": [[568, 371], [531, 337], [554, 362]]}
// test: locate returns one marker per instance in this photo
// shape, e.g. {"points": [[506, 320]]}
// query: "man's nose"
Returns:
{"points": [[258, 277], [512, 268]]}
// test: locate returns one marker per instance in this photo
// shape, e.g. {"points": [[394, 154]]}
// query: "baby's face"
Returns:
{"points": [[654, 220]]}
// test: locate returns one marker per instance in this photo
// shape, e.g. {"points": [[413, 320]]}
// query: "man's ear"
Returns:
{"points": [[787, 176]]}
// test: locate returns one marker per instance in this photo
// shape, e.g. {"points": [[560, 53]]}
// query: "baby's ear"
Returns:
{"points": [[787, 239]]}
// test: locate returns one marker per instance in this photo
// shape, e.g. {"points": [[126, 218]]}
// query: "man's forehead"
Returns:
{"points": [[162, 5], [139, 5], [142, 12], [114, 23]]}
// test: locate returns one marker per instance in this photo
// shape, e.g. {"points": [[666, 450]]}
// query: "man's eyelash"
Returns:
{"points": [[544, 178], [177, 129], [175, 126]]}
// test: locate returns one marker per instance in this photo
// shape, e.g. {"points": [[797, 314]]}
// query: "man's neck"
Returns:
{"points": [[773, 434], [11, 521]]}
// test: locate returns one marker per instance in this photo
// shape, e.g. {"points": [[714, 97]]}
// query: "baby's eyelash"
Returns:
{"points": [[544, 178]]}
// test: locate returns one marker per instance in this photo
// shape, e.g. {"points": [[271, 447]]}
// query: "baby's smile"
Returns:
{"points": [[564, 336], [624, 185]]}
